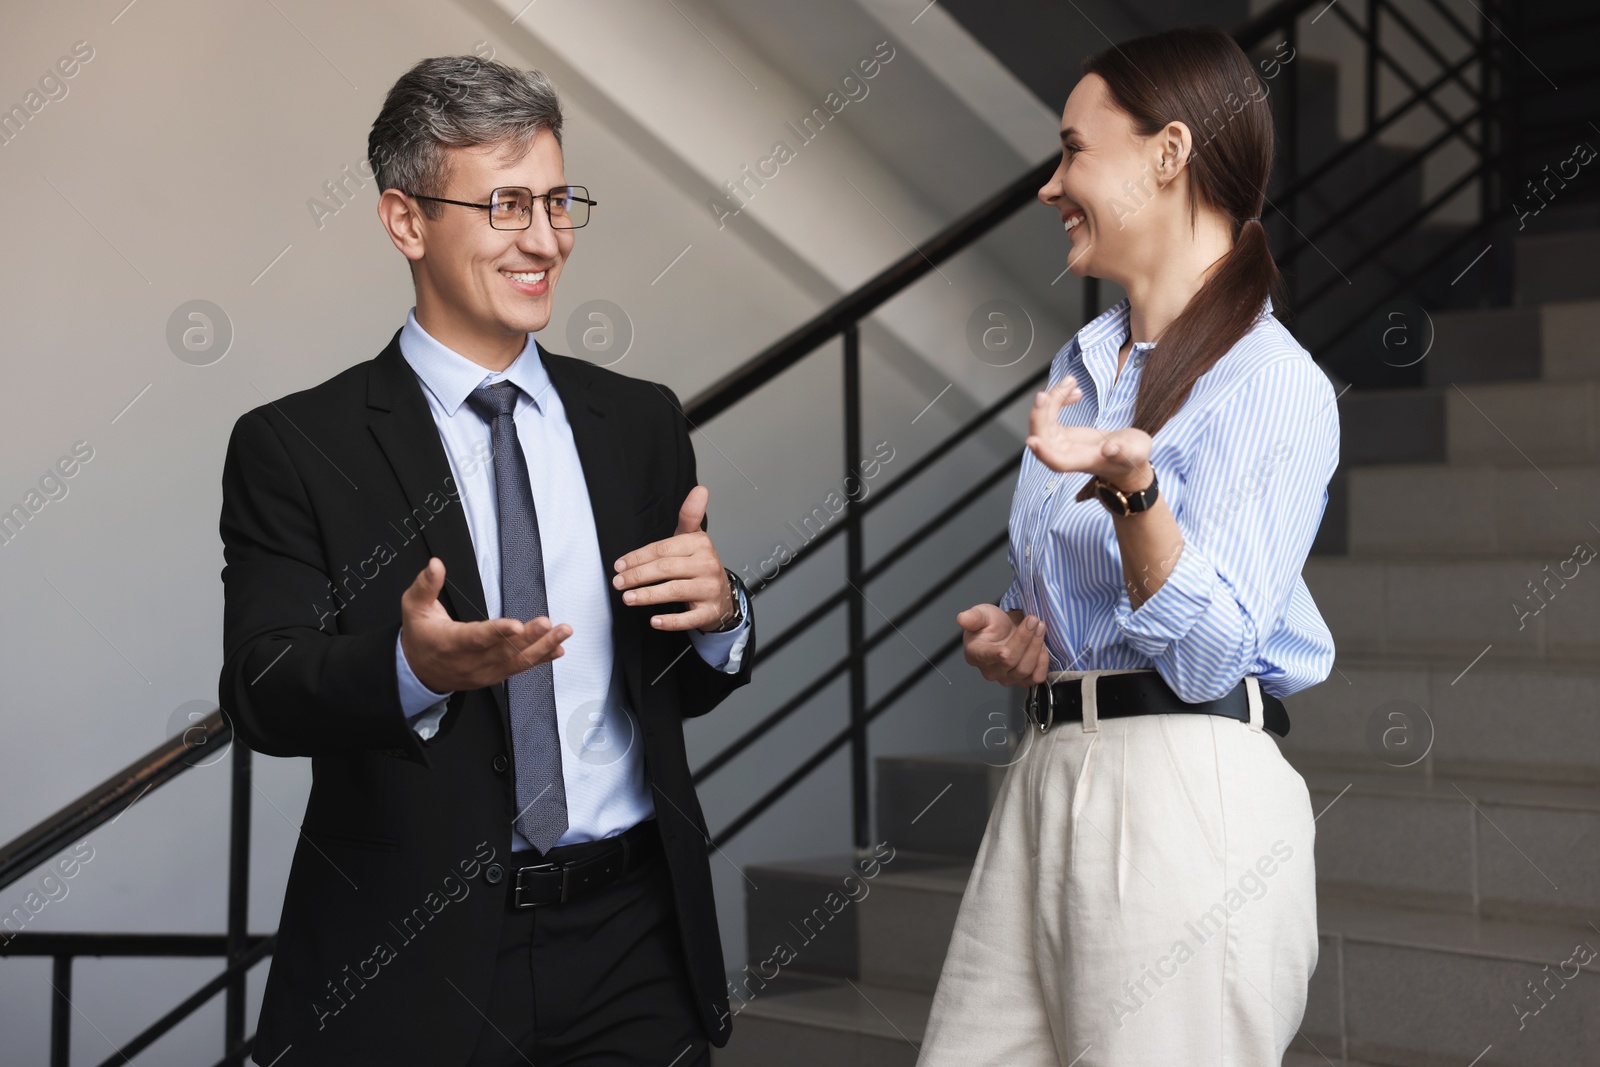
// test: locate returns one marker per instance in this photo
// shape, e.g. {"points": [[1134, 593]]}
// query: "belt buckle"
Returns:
{"points": [[1030, 705], [517, 892]]}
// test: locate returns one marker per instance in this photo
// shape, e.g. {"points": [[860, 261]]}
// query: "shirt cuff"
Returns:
{"points": [[1174, 609], [1012, 599], [724, 649], [423, 707]]}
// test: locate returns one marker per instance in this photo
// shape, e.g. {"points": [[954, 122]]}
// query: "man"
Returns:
{"points": [[470, 579]]}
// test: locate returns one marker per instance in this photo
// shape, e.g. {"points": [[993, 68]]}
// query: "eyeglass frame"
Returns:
{"points": [[545, 196]]}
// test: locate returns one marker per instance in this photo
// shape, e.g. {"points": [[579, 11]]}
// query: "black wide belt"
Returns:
{"points": [[571, 871], [1142, 693]]}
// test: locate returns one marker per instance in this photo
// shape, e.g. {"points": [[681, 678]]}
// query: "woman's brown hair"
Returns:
{"points": [[1200, 77]]}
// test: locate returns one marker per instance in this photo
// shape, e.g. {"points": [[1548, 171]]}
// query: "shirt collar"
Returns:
{"points": [[450, 376], [1101, 338]]}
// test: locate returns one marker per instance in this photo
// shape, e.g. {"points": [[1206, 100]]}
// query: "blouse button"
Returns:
{"points": [[1027, 552]]}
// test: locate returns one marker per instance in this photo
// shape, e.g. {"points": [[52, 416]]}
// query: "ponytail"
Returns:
{"points": [[1216, 317]]}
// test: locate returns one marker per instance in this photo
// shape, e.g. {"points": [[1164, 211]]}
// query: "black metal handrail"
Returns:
{"points": [[838, 667], [1397, 68], [1377, 126], [110, 798], [1400, 286], [1383, 181], [1487, 147], [1275, 19], [850, 309], [104, 805]]}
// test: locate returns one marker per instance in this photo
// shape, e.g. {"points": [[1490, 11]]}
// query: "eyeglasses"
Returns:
{"points": [[510, 207]]}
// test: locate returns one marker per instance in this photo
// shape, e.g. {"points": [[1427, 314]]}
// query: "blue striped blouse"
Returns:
{"points": [[1244, 466]]}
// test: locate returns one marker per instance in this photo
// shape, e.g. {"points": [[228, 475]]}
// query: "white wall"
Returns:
{"points": [[179, 166]]}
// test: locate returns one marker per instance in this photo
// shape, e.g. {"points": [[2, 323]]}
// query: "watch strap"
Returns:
{"points": [[1124, 503], [736, 587]]}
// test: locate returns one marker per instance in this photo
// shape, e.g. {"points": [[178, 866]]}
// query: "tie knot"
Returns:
{"points": [[494, 401]]}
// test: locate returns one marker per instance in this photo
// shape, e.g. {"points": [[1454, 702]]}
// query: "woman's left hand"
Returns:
{"points": [[1117, 456]]}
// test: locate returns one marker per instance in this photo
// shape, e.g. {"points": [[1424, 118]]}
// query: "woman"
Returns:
{"points": [[1145, 890]]}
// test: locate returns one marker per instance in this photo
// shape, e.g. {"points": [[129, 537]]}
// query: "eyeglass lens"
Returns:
{"points": [[512, 208]]}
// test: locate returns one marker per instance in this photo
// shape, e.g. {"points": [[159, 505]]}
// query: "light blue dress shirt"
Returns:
{"points": [[601, 762], [1244, 467]]}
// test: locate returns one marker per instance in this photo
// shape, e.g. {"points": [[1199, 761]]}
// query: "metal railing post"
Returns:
{"points": [[1292, 136], [1488, 145], [238, 890], [61, 1011], [860, 810], [1372, 64]]}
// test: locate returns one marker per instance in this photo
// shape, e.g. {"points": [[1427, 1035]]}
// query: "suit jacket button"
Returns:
{"points": [[499, 764], [493, 873]]}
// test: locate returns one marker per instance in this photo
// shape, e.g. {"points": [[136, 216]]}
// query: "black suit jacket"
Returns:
{"points": [[332, 500]]}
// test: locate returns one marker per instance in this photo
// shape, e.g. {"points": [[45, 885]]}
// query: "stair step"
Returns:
{"points": [[1397, 986], [1568, 333], [906, 925], [1532, 423], [1484, 344], [1455, 610], [812, 915], [935, 804], [1433, 988], [1420, 509], [1391, 426], [1528, 422], [808, 906], [894, 932], [840, 1023], [1522, 851], [1549, 342], [1513, 850], [1496, 720], [1558, 266]]}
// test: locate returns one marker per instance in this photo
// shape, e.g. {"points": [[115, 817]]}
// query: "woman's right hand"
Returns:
{"points": [[1007, 647]]}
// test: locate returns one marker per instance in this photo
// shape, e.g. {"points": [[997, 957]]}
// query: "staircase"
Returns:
{"points": [[1453, 755], [1452, 873]]}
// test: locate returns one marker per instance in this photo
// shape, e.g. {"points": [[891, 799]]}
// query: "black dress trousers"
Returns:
{"points": [[599, 980]]}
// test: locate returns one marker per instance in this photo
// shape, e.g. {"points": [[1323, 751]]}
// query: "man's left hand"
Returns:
{"points": [[682, 568]]}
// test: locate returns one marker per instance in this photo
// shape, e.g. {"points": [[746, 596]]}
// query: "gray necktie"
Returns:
{"points": [[530, 695]]}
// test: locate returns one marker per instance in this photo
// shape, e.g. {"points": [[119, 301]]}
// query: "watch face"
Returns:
{"points": [[1108, 496]]}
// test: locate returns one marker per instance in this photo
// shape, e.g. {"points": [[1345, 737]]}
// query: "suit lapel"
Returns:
{"points": [[596, 433], [406, 433]]}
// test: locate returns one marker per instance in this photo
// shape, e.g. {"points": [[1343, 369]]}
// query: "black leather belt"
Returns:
{"points": [[1142, 693], [571, 871]]}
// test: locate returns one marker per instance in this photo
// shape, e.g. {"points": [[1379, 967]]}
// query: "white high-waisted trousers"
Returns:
{"points": [[1144, 895]]}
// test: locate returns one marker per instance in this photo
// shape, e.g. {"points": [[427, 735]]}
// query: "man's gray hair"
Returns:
{"points": [[458, 102]]}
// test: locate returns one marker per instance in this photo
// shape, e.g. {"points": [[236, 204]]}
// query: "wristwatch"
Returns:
{"points": [[1122, 503], [736, 587]]}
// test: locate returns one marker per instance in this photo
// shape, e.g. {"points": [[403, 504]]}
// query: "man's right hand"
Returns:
{"points": [[448, 656], [1008, 647]]}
